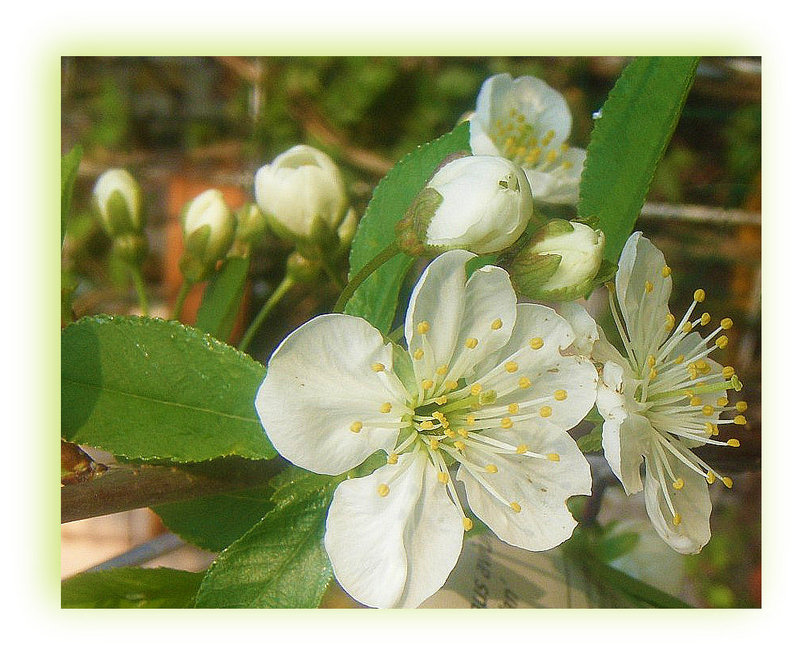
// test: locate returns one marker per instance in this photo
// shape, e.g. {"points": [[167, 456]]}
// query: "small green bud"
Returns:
{"points": [[301, 269], [117, 200], [208, 230], [251, 225], [131, 247]]}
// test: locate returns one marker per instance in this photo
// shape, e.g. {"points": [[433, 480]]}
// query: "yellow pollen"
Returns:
{"points": [[434, 444], [728, 372], [442, 370], [651, 361], [427, 425], [733, 443], [423, 327], [463, 432], [506, 422], [670, 321], [383, 490], [687, 327], [392, 458], [511, 367], [460, 445], [666, 271], [676, 520], [515, 506], [386, 408], [700, 295], [524, 382], [710, 477], [470, 419], [545, 411], [513, 408], [451, 385], [722, 341], [475, 389], [693, 373], [560, 395], [726, 323], [467, 522], [567, 165], [521, 449], [648, 287], [490, 468], [741, 406], [678, 484], [378, 366], [695, 401], [536, 343], [680, 359], [728, 482], [722, 401], [448, 432], [471, 343], [497, 324], [708, 410], [705, 318], [653, 373], [554, 457], [418, 354], [440, 400], [709, 428], [356, 426], [739, 420], [427, 384], [443, 477]]}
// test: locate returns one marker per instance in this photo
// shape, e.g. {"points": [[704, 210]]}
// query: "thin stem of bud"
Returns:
{"points": [[285, 285], [361, 275], [141, 290], [182, 294]]}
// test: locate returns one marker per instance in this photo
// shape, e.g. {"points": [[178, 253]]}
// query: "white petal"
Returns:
{"points": [[693, 504], [398, 549], [479, 141], [320, 382], [585, 328], [539, 486]]}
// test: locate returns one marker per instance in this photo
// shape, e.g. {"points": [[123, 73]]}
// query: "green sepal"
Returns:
{"points": [[413, 227], [119, 220], [131, 248]]}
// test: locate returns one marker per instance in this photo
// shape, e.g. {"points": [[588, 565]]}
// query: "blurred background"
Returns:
{"points": [[181, 125]]}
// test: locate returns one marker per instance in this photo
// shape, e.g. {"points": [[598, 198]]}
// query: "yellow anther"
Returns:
{"points": [[475, 389], [536, 343], [463, 431], [467, 522], [471, 343], [516, 507], [708, 427], [460, 445], [726, 323], [705, 318], [392, 458], [524, 382], [378, 366], [419, 354], [611, 287], [440, 400], [383, 490], [651, 361], [506, 422], [728, 482], [710, 477], [356, 426], [511, 366], [554, 457], [739, 420], [680, 359], [687, 327], [513, 408], [653, 373], [427, 425], [497, 324], [733, 443], [741, 406], [700, 296], [693, 373], [448, 432], [708, 410], [722, 401], [434, 444], [490, 468], [560, 394], [728, 372], [545, 411], [423, 327], [450, 385], [427, 384], [722, 341], [666, 271], [522, 449], [386, 408], [678, 484], [567, 165], [695, 401], [648, 287], [470, 419], [442, 370], [443, 477], [676, 520], [670, 321], [689, 392]]}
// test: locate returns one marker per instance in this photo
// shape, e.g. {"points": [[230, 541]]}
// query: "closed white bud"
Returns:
{"points": [[478, 203], [302, 194], [208, 230], [117, 199]]}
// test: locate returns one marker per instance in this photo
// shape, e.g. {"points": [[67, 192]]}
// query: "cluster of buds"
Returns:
{"points": [[117, 202]]}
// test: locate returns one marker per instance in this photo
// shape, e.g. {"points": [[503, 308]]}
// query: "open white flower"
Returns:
{"points": [[483, 386], [528, 122], [663, 397]]}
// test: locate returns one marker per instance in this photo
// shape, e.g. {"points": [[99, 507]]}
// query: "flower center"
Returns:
{"points": [[526, 145]]}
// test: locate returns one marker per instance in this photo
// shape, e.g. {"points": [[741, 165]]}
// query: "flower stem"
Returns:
{"points": [[141, 292], [331, 272], [182, 294], [285, 285], [361, 275]]}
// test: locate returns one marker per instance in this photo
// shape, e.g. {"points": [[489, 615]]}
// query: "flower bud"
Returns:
{"points": [[251, 225], [302, 194], [117, 200], [478, 203], [208, 229], [560, 262]]}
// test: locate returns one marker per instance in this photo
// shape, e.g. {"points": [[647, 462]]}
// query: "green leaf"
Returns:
{"points": [[222, 298], [281, 562], [131, 588], [593, 441], [376, 298], [628, 140], [149, 389], [69, 172]]}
